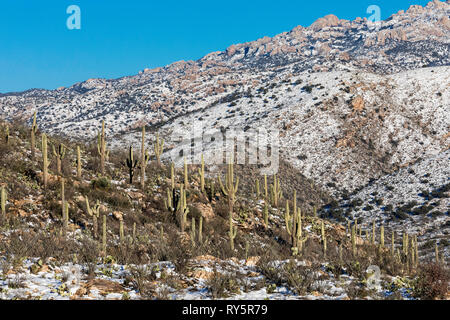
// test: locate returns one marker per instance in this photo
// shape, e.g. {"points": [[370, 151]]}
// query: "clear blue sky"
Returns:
{"points": [[119, 38]]}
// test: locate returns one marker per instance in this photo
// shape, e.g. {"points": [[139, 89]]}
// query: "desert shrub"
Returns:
{"points": [[221, 285], [432, 282], [101, 183]]}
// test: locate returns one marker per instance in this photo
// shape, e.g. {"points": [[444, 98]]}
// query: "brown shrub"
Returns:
{"points": [[432, 282]]}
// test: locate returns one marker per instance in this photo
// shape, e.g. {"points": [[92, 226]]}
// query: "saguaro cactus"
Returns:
{"points": [[294, 225], [324, 239], [201, 172], [7, 135], [183, 209], [121, 233], [63, 199], [196, 235], [101, 148], [104, 235], [78, 162], [131, 164], [172, 175], [266, 215], [276, 191], [373, 232], [145, 157], [3, 197], [258, 191], [200, 230], [393, 243], [66, 217], [266, 190], [45, 162], [405, 244], [159, 145], [354, 240], [59, 155], [94, 212], [382, 236], [33, 136], [436, 251], [230, 189], [193, 231]]}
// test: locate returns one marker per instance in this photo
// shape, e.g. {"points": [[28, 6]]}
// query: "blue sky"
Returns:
{"points": [[119, 38]]}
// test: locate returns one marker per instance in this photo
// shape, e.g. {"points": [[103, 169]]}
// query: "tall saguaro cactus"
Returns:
{"points": [[101, 148], [104, 235], [59, 155], [145, 157], [45, 162], [7, 135], [201, 172], [94, 212], [183, 209], [66, 216], [33, 137], [3, 197], [276, 191], [78, 162], [131, 164], [294, 226], [324, 239], [63, 199], [159, 145], [230, 189]]}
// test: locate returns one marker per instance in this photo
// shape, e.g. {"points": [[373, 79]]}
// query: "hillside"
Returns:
{"points": [[140, 252]]}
